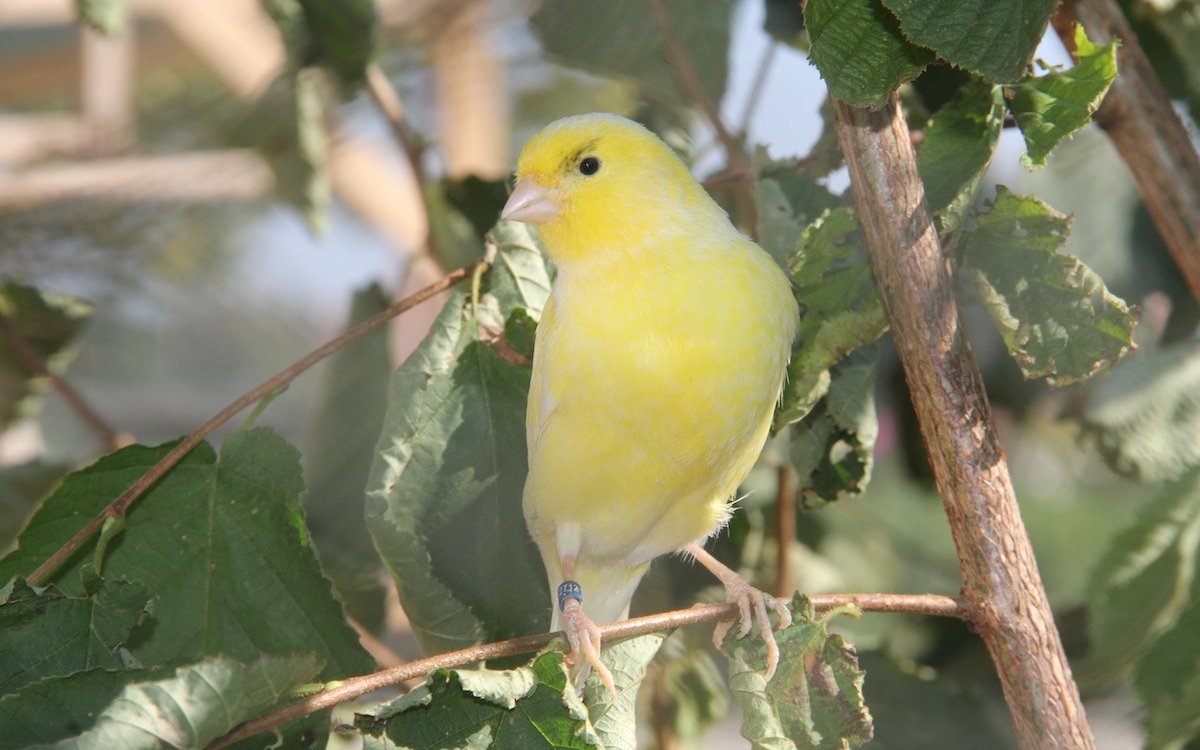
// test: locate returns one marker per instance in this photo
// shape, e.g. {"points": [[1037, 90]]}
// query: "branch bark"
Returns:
{"points": [[1002, 590], [1138, 117], [921, 604]]}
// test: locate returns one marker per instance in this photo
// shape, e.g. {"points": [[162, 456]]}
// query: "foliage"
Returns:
{"points": [[210, 602]]}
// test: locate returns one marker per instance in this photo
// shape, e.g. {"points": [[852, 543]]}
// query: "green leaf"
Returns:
{"points": [[1169, 33], [47, 633], [1055, 315], [298, 151], [697, 697], [219, 542], [784, 21], [787, 200], [833, 448], [341, 37], [1168, 683], [840, 309], [47, 322], [615, 722], [195, 706], [444, 495], [479, 200], [57, 708], [815, 698], [1145, 415], [858, 47], [106, 16], [21, 487], [912, 708], [517, 709], [995, 40], [1051, 107], [345, 425], [1142, 583], [599, 38], [959, 144]]}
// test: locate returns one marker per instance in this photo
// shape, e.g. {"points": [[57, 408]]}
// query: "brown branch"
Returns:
{"points": [[1002, 589], [681, 63], [785, 526], [922, 604], [1138, 116], [389, 104], [121, 505], [32, 361]]}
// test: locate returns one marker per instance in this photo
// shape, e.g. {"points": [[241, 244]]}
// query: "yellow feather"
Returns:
{"points": [[658, 361]]}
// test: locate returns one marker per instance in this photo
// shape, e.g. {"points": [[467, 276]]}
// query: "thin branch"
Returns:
{"points": [[1138, 116], [121, 505], [32, 361], [921, 604], [681, 62], [756, 88], [1002, 589], [785, 526], [392, 108]]}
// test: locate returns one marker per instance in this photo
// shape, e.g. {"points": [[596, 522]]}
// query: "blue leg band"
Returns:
{"points": [[569, 590]]}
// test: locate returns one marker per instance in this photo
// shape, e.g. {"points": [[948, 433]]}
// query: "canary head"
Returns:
{"points": [[595, 184]]}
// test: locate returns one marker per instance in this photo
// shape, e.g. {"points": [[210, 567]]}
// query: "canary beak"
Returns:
{"points": [[530, 202]]}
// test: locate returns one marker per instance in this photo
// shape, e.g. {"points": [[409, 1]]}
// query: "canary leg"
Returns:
{"points": [[582, 633], [752, 606]]}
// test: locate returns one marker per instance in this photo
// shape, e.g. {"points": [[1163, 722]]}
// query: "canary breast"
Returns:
{"points": [[655, 376]]}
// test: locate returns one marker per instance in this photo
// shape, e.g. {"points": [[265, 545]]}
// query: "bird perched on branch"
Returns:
{"points": [[658, 362]]}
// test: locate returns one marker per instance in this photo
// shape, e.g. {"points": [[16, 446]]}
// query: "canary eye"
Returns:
{"points": [[589, 166]]}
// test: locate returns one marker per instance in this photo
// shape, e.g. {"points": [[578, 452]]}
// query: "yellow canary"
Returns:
{"points": [[658, 362]]}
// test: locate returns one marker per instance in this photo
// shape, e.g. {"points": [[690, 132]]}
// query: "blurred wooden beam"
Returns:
{"points": [[197, 177], [30, 138], [106, 89]]}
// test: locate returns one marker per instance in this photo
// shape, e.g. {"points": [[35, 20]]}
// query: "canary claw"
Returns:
{"points": [[584, 637], [752, 607]]}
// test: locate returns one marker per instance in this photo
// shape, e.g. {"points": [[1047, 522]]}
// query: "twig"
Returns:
{"points": [[682, 64], [121, 505], [923, 604], [785, 526], [33, 362], [390, 105], [1138, 116], [1002, 589], [756, 89]]}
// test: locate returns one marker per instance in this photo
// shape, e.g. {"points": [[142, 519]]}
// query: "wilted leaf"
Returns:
{"points": [[219, 542], [47, 322], [815, 698], [1055, 315], [959, 144], [1141, 585], [840, 308], [444, 503], [615, 722], [1145, 415], [833, 448], [516, 709], [201, 702], [599, 38], [345, 426], [995, 40], [1049, 108], [46, 633], [859, 49]]}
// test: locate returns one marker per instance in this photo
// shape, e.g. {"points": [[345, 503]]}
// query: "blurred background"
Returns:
{"points": [[197, 213]]}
